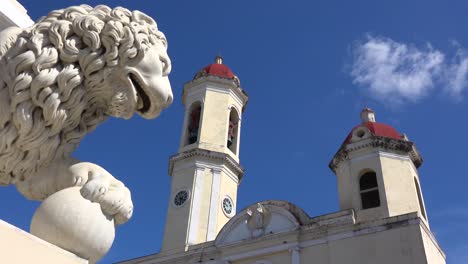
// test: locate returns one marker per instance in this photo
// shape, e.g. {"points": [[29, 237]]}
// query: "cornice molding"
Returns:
{"points": [[226, 160], [385, 143]]}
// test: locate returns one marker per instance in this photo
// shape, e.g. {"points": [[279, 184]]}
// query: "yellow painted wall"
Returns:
{"points": [[228, 187], [433, 254], [205, 205], [348, 186], [316, 254], [177, 218], [213, 134], [395, 178], [214, 121], [283, 257], [400, 245], [401, 192]]}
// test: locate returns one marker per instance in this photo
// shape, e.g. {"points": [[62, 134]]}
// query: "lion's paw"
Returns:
{"points": [[94, 190], [112, 202], [124, 214], [118, 203], [77, 180], [101, 187]]}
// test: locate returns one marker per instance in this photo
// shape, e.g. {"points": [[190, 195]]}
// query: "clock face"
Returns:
{"points": [[227, 206], [180, 198]]}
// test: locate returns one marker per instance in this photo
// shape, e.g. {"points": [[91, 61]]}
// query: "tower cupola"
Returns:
{"points": [[377, 171]]}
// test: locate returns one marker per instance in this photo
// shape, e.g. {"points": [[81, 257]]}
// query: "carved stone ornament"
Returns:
{"points": [[384, 143], [259, 219], [59, 79], [201, 153]]}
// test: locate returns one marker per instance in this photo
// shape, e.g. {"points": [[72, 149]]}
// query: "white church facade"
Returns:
{"points": [[382, 217]]}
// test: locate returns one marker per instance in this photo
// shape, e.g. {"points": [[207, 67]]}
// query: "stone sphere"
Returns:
{"points": [[69, 221]]}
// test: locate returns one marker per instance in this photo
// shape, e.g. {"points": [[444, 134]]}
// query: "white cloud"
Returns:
{"points": [[395, 72], [457, 74]]}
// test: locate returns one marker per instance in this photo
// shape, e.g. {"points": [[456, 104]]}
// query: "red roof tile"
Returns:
{"points": [[220, 70], [377, 129]]}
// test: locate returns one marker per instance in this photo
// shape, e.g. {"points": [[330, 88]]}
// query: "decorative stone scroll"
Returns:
{"points": [[59, 79]]}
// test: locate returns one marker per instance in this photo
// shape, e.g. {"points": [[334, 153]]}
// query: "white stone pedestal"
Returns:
{"points": [[75, 224], [18, 246]]}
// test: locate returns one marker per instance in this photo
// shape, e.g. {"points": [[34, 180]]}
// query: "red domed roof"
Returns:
{"points": [[377, 129], [220, 70], [217, 69]]}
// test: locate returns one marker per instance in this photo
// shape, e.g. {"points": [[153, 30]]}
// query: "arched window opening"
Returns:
{"points": [[194, 124], [233, 131], [369, 190], [421, 205]]}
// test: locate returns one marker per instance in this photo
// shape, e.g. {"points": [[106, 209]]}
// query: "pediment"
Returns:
{"points": [[261, 219]]}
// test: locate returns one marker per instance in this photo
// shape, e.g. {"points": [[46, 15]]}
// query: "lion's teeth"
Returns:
{"points": [[139, 102]]}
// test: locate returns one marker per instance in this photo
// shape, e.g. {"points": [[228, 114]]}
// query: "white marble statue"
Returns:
{"points": [[61, 78]]}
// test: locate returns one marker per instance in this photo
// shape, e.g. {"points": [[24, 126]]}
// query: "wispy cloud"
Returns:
{"points": [[457, 74], [395, 72]]}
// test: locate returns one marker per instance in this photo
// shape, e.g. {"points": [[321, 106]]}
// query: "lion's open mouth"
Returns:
{"points": [[144, 102]]}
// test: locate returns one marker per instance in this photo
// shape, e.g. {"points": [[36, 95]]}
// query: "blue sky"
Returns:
{"points": [[309, 68]]}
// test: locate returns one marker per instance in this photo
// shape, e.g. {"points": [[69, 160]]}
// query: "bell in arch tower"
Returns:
{"points": [[377, 172], [205, 173]]}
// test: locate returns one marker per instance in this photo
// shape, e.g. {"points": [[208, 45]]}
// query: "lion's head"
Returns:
{"points": [[63, 76]]}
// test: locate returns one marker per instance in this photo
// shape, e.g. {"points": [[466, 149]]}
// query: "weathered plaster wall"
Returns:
{"points": [[228, 188], [282, 257], [433, 252], [176, 220], [395, 178], [399, 184]]}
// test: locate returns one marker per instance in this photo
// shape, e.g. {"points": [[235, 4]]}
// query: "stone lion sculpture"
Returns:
{"points": [[61, 78]]}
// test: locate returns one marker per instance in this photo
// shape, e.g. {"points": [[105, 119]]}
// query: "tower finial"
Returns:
{"points": [[367, 115], [218, 59]]}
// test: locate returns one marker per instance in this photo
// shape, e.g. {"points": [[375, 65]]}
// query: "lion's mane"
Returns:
{"points": [[50, 76]]}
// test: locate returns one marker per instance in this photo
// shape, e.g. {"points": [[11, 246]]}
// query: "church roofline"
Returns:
{"points": [[320, 229]]}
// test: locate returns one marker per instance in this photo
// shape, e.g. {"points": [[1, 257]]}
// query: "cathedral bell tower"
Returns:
{"points": [[205, 173], [377, 172]]}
